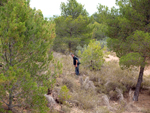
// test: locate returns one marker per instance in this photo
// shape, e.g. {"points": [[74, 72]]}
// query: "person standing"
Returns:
{"points": [[76, 63]]}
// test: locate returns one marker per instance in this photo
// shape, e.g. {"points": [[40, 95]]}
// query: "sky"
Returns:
{"points": [[52, 7]]}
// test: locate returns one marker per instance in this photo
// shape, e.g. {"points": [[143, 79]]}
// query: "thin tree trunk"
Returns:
{"points": [[138, 85], [69, 41], [10, 54], [10, 101], [70, 47]]}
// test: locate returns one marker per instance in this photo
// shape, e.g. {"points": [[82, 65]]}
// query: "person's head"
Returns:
{"points": [[72, 55]]}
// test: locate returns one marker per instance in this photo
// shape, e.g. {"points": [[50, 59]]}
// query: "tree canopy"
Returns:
{"points": [[128, 29], [72, 27], [73, 8], [26, 38]]}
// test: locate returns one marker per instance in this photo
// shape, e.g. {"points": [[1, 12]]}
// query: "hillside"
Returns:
{"points": [[109, 90]]}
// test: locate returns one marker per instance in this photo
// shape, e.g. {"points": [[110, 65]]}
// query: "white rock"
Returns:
{"points": [[50, 100]]}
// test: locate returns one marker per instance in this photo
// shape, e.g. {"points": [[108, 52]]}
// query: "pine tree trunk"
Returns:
{"points": [[70, 47], [70, 42], [10, 101], [138, 85]]}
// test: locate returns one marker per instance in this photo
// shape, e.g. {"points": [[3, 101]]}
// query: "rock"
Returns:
{"points": [[91, 85], [120, 94], [51, 101], [107, 103], [87, 84], [86, 80], [81, 80]]}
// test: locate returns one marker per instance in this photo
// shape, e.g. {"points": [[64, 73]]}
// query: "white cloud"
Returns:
{"points": [[52, 7]]}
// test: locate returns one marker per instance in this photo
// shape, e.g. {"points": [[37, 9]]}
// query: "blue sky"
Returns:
{"points": [[52, 7]]}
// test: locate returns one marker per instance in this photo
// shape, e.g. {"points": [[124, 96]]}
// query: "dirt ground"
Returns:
{"points": [[144, 100]]}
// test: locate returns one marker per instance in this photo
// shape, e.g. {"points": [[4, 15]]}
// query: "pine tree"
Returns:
{"points": [[26, 39], [73, 8], [73, 26], [92, 55], [2, 2], [129, 32], [99, 31]]}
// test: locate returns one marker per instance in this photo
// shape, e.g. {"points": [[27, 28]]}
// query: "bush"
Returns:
{"points": [[92, 56], [102, 109], [68, 82], [64, 94], [66, 109], [113, 95], [80, 48], [86, 99], [113, 85]]}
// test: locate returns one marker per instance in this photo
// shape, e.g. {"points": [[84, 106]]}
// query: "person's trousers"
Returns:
{"points": [[77, 70]]}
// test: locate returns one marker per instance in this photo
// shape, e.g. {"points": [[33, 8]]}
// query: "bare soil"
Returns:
{"points": [[144, 100]]}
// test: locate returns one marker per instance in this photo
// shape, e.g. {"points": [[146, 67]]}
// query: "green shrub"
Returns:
{"points": [[64, 94], [68, 82], [92, 56], [80, 48]]}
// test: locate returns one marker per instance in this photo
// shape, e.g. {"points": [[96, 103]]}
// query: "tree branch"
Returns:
{"points": [[16, 94], [10, 55], [16, 105], [4, 101]]}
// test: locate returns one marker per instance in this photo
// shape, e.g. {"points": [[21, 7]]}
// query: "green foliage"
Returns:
{"points": [[99, 31], [92, 56], [72, 7], [131, 59], [129, 33], [1, 109], [72, 32], [26, 38], [2, 2], [21, 85], [64, 94], [102, 14], [128, 29], [72, 27], [80, 49]]}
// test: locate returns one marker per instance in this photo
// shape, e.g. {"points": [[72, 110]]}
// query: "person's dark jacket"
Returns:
{"points": [[74, 60]]}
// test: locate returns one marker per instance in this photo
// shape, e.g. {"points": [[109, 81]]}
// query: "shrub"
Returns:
{"points": [[101, 89], [80, 48], [113, 85], [101, 109], [64, 94], [113, 95], [68, 82], [86, 99], [66, 109], [92, 56]]}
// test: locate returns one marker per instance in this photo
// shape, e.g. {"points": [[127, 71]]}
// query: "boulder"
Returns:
{"points": [[87, 84], [51, 101]]}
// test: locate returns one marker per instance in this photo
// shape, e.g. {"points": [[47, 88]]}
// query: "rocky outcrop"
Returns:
{"points": [[86, 84]]}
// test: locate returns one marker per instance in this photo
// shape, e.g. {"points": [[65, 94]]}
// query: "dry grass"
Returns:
{"points": [[107, 80]]}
